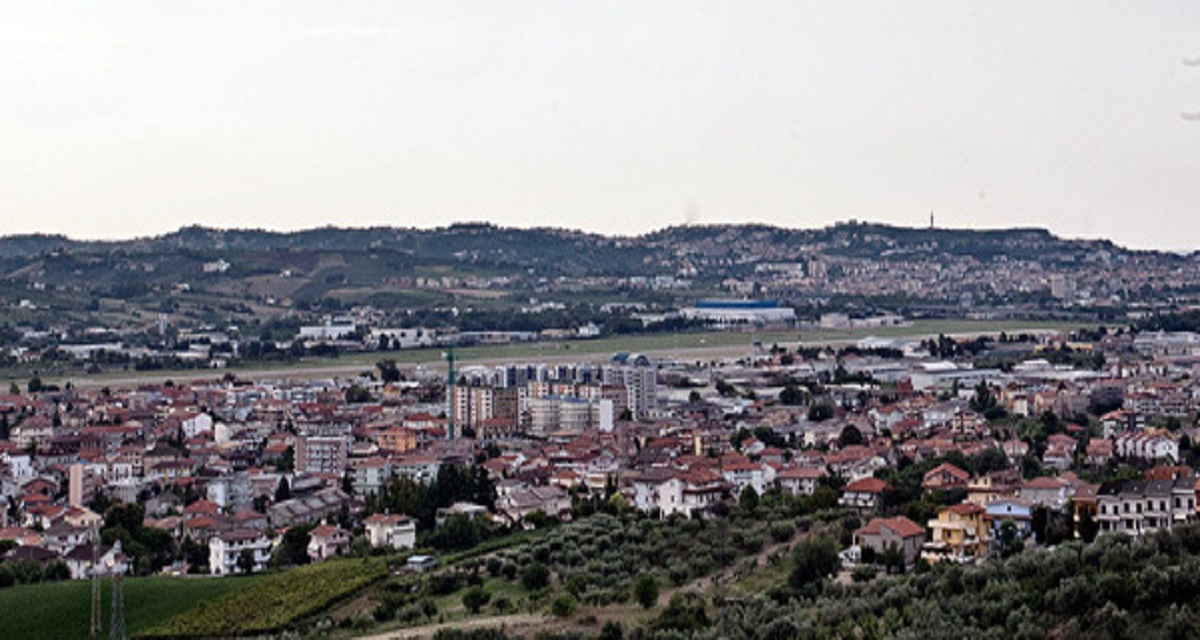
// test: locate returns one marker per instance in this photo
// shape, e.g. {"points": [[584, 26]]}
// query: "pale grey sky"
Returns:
{"points": [[131, 118]]}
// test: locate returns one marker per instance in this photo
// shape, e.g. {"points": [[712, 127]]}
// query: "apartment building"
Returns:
{"points": [[1143, 506]]}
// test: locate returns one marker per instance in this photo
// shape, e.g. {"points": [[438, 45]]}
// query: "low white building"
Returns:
{"points": [[686, 493], [196, 425], [1146, 446], [387, 530], [734, 312], [412, 338], [551, 500], [334, 329], [1140, 507], [225, 548], [800, 480]]}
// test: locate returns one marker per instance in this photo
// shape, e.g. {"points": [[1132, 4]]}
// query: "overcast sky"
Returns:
{"points": [[131, 118]]}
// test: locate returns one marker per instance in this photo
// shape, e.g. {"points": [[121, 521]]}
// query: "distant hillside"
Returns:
{"points": [[204, 276], [491, 243]]}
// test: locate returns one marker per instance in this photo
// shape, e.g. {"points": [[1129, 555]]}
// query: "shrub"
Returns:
{"points": [[815, 560], [863, 573], [502, 604], [685, 614], [475, 599], [384, 612], [537, 576], [645, 589], [443, 584], [748, 541], [410, 614], [611, 631], [564, 605], [782, 531]]}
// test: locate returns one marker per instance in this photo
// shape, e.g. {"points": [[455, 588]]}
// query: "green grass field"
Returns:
{"points": [[63, 609]]}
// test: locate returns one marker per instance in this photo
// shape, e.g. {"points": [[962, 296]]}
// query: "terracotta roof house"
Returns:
{"points": [[864, 496], [391, 530], [945, 476], [327, 541], [898, 532]]}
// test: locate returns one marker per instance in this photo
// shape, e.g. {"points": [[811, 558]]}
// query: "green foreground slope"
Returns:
{"points": [[63, 609]]}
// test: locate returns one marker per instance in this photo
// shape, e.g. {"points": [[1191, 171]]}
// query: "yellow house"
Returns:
{"points": [[960, 534], [988, 488], [396, 439]]}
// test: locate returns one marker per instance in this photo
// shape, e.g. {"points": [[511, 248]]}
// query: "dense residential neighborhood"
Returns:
{"points": [[228, 476]]}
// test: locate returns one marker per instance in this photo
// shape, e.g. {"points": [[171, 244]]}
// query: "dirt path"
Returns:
{"points": [[726, 575], [514, 623]]}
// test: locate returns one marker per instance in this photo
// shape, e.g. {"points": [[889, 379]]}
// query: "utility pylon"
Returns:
{"points": [[451, 383], [96, 626], [117, 623]]}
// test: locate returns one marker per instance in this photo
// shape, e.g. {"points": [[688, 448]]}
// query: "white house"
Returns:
{"points": [[79, 561], [742, 475], [800, 480], [226, 547], [194, 426], [1147, 446], [327, 541], [551, 500], [387, 530], [683, 493]]}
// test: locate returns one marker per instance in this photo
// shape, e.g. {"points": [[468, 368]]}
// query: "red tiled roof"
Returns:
{"points": [[801, 473], [1045, 482], [948, 468], [385, 518], [902, 527], [866, 485], [967, 509], [202, 506], [324, 531]]}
